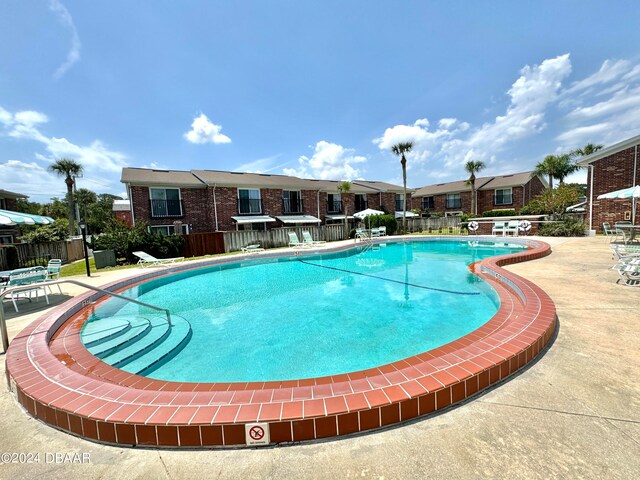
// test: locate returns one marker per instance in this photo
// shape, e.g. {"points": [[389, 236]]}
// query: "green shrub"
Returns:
{"points": [[564, 228], [124, 241], [499, 213], [53, 232], [388, 221]]}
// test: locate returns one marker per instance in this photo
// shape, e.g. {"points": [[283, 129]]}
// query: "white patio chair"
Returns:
{"points": [[294, 241], [307, 239], [33, 277]]}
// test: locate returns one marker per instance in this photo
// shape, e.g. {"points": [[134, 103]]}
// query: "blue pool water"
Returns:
{"points": [[301, 317]]}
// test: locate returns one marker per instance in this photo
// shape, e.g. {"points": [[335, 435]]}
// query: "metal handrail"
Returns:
{"points": [[3, 323]]}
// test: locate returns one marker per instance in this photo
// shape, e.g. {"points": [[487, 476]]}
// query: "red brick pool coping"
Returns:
{"points": [[59, 382]]}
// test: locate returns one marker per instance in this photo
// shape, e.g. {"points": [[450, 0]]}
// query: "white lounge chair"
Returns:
{"points": [[629, 273], [375, 232], [255, 248], [383, 231], [307, 239], [151, 261], [294, 241]]}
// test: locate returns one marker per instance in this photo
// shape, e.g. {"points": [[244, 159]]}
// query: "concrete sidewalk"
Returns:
{"points": [[574, 413]]}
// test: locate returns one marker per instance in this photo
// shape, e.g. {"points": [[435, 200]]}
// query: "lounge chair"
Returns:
{"points": [[294, 241], [375, 232], [255, 248], [383, 231], [33, 276], [308, 239], [630, 273], [53, 271], [151, 261]]}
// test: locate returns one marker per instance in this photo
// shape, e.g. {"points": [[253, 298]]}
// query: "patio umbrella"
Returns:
{"points": [[631, 192], [366, 213], [7, 217]]}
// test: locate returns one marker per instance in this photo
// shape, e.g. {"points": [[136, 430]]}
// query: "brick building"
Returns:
{"points": [[610, 169], [493, 193], [213, 200], [8, 201]]}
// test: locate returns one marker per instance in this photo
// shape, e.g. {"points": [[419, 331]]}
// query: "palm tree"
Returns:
{"points": [[68, 168], [473, 167], [344, 188], [546, 167], [588, 149], [400, 149], [564, 167]]}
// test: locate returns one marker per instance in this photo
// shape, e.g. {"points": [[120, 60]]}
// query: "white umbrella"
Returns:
{"points": [[366, 213], [631, 192]]}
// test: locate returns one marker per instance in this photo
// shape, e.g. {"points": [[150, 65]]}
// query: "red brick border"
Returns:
{"points": [[58, 381]]}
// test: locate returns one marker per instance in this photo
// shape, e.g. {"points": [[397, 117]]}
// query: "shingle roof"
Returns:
{"points": [[147, 176], [8, 194], [482, 183], [514, 180]]}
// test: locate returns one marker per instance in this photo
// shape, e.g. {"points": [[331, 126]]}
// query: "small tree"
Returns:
{"points": [[344, 188], [400, 149], [472, 168]]}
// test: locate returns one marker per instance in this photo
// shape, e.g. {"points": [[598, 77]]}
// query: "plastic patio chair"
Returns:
{"points": [[308, 239], [33, 276], [294, 241], [53, 271]]}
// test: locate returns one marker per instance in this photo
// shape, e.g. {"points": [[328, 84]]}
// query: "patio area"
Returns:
{"points": [[575, 412]]}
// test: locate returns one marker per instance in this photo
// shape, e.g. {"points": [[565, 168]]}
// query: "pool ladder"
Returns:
{"points": [[3, 323]]}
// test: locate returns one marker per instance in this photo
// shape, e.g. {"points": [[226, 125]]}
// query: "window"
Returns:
{"points": [[3, 204], [428, 203], [4, 239], [249, 201], [292, 201], [400, 202], [453, 200], [334, 203], [165, 202], [360, 201], [503, 196], [168, 230]]}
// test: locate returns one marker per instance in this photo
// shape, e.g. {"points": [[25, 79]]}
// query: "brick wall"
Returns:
{"points": [[227, 206], [611, 173], [195, 208]]}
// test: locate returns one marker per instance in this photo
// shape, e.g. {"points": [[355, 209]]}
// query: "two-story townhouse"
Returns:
{"points": [[166, 199], [509, 191], [390, 198], [214, 200], [498, 192], [256, 201], [8, 201], [610, 169]]}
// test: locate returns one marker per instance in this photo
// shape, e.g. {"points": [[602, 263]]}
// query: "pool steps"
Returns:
{"points": [[95, 333], [140, 327]]}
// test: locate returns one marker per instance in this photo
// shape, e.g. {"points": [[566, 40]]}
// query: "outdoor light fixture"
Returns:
{"points": [[83, 228]]}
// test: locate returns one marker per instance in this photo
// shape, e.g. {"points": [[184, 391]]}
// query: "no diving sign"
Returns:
{"points": [[257, 433]]}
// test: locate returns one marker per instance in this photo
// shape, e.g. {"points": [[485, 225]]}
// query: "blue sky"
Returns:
{"points": [[309, 88]]}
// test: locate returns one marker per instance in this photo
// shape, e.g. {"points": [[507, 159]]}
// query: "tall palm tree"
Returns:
{"points": [[473, 167], [588, 149], [564, 167], [400, 149], [65, 167], [546, 167], [344, 188]]}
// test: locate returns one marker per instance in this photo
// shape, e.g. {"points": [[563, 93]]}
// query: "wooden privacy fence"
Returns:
{"points": [[433, 224], [199, 244], [32, 254], [279, 237]]}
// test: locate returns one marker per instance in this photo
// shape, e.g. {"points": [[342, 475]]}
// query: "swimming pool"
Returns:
{"points": [[57, 381], [293, 318]]}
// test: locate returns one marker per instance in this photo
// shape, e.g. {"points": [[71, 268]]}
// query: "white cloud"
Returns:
{"points": [[95, 156], [328, 162], [205, 131], [73, 55], [454, 142], [30, 179], [610, 70], [262, 165]]}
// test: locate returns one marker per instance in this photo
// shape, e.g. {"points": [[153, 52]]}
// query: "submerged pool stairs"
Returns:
{"points": [[137, 344]]}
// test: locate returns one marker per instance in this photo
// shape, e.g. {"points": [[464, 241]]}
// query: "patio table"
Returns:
{"points": [[632, 232]]}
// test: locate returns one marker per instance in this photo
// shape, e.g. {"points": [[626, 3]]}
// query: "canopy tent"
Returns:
{"points": [[631, 192], [7, 217], [367, 212]]}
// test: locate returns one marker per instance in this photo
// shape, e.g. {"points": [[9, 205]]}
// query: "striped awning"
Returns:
{"points": [[253, 219], [7, 217], [299, 219]]}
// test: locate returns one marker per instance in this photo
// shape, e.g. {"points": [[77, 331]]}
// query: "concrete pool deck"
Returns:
{"points": [[573, 413]]}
